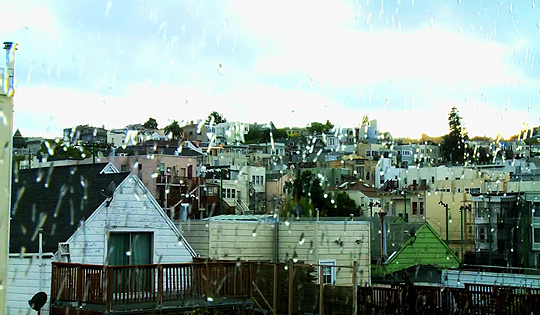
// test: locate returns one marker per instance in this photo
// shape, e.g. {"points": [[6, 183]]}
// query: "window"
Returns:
{"points": [[393, 208], [329, 271], [233, 193], [536, 235], [123, 168], [536, 209], [362, 201], [421, 208], [368, 153], [130, 248], [415, 208], [482, 234]]}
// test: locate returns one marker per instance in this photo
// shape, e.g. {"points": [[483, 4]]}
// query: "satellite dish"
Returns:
{"points": [[38, 301], [109, 192]]}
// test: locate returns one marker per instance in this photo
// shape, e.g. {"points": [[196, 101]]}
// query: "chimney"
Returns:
{"points": [[8, 74]]}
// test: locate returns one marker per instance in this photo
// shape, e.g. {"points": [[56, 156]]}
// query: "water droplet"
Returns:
{"points": [[108, 8], [3, 118], [254, 233], [287, 223], [511, 9], [220, 69], [302, 239]]}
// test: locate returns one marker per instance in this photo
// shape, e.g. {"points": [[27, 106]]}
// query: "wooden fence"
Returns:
{"points": [[473, 299]]}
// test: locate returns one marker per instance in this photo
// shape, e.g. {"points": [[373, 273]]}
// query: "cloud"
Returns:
{"points": [[352, 58]]}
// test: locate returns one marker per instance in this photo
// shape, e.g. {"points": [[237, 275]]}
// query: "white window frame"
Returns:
{"points": [[329, 262]]}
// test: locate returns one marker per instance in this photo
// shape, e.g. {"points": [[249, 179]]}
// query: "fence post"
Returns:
{"points": [[79, 285], [275, 292], [321, 290], [110, 287], [355, 287], [291, 278], [207, 282], [160, 286]]}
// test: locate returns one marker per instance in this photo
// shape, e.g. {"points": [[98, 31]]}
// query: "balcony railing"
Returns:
{"points": [[148, 287], [175, 180]]}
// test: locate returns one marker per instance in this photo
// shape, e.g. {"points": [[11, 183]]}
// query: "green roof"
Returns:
{"points": [[425, 247]]}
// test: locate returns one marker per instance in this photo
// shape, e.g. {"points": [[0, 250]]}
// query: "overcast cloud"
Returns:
{"points": [[405, 63]]}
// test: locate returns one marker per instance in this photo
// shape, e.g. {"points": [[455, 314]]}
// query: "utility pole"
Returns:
{"points": [[221, 192], [6, 140], [447, 219]]}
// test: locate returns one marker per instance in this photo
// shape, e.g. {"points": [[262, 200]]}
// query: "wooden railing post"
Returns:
{"points": [[275, 292], [110, 287], [160, 286], [54, 282], [355, 287], [321, 290], [79, 285], [291, 278], [207, 282]]}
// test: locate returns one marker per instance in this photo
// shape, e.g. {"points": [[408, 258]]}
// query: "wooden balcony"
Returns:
{"points": [[97, 289]]}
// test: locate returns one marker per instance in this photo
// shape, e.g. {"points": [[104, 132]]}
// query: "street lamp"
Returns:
{"points": [[447, 219]]}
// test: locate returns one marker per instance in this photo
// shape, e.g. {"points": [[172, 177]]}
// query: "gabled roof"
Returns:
{"points": [[359, 186], [18, 140], [423, 247], [397, 234], [56, 198]]}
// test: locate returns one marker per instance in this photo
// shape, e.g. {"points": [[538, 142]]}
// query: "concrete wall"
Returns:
{"points": [[23, 283]]}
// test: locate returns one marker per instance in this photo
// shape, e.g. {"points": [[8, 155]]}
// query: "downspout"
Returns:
{"points": [[40, 259], [276, 238]]}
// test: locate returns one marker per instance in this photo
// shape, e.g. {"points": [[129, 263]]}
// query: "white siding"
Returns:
{"points": [[131, 210], [290, 242], [457, 279], [244, 240], [197, 234], [23, 283]]}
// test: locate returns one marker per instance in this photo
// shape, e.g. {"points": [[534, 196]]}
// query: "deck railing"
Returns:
{"points": [[148, 286]]}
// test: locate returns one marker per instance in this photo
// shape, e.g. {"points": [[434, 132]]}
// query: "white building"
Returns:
{"points": [[84, 226]]}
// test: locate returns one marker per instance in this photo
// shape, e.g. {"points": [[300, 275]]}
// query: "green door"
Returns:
{"points": [[132, 249]]}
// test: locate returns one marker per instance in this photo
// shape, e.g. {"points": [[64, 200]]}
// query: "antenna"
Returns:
{"points": [[109, 192]]}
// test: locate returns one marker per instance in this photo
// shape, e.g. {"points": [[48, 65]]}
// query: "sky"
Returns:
{"points": [[405, 63]]}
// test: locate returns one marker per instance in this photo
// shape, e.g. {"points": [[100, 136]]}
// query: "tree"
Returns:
{"points": [[151, 123], [58, 150], [318, 128], [453, 144], [218, 118], [344, 206], [174, 131]]}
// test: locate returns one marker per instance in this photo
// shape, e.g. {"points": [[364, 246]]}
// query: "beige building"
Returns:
{"points": [[436, 216], [254, 238], [276, 193]]}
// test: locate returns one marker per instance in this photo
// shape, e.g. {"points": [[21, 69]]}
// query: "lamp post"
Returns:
{"points": [[447, 219]]}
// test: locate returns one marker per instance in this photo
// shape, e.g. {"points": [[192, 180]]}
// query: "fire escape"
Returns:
{"points": [[257, 200]]}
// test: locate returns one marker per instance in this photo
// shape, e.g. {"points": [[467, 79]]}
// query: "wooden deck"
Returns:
{"points": [[157, 288]]}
